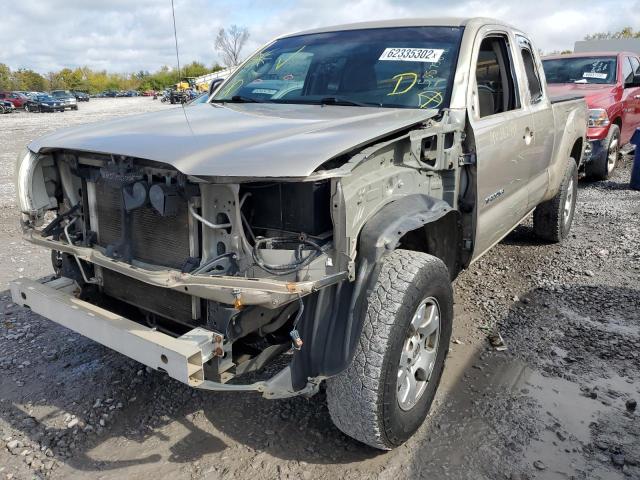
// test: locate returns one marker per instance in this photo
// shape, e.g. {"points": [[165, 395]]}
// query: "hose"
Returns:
{"points": [[204, 221], [84, 275]]}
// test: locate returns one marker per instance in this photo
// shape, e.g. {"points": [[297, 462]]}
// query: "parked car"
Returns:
{"points": [[44, 103], [67, 98], [6, 106], [81, 96], [327, 222], [610, 83], [17, 99], [149, 93]]}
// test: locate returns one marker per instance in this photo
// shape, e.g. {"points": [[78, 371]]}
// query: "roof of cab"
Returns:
{"points": [[406, 22], [588, 54]]}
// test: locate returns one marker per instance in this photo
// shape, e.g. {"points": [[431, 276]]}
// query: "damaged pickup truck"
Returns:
{"points": [[308, 220]]}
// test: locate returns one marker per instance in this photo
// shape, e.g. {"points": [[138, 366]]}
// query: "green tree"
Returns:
{"points": [[88, 80], [195, 69], [626, 32], [24, 79], [5, 77]]}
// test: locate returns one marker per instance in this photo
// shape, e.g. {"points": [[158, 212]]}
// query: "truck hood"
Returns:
{"points": [[238, 140], [595, 95]]}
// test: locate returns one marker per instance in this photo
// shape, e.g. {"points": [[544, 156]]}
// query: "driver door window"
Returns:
{"points": [[494, 78]]}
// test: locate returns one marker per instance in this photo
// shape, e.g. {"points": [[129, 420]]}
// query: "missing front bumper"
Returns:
{"points": [[182, 358]]}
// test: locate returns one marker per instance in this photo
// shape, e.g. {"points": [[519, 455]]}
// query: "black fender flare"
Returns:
{"points": [[333, 317]]}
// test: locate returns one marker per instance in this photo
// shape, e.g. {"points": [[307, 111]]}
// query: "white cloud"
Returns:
{"points": [[126, 36]]}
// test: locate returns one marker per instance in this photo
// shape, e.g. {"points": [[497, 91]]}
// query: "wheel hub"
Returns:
{"points": [[568, 203], [419, 353], [612, 155]]}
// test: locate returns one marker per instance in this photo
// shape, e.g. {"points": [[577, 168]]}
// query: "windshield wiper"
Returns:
{"points": [[241, 99], [237, 99], [343, 101]]}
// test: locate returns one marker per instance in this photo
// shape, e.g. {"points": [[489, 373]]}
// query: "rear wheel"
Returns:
{"points": [[552, 219], [385, 394], [602, 168]]}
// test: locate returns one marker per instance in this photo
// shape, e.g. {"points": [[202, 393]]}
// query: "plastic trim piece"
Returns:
{"points": [[333, 317]]}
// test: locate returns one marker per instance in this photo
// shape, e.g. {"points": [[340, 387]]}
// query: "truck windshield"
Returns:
{"points": [[404, 67], [580, 70]]}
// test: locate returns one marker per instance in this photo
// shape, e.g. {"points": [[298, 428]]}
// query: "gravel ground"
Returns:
{"points": [[557, 404]]}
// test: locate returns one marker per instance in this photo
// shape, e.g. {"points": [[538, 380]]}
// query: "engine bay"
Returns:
{"points": [[176, 253]]}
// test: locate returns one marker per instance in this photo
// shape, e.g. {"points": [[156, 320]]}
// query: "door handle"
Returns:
{"points": [[528, 135]]}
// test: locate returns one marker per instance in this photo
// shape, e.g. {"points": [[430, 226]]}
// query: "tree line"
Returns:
{"points": [[626, 32], [229, 43], [93, 81]]}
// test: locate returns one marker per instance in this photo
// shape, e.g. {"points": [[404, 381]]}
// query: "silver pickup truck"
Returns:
{"points": [[305, 223]]}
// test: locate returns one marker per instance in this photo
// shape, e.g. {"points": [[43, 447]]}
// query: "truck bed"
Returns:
{"points": [[565, 98]]}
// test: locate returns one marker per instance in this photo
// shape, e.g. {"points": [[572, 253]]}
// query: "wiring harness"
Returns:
{"points": [[285, 269]]}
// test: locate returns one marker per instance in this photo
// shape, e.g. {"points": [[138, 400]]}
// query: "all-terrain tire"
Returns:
{"points": [[602, 168], [363, 400], [552, 219]]}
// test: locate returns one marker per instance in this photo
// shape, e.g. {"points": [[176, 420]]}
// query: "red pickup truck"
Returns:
{"points": [[18, 99], [610, 83]]}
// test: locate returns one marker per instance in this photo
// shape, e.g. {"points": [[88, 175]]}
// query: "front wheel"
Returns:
{"points": [[601, 168], [26, 108], [385, 394]]}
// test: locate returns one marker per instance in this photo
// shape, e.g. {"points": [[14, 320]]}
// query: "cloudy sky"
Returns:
{"points": [[130, 35]]}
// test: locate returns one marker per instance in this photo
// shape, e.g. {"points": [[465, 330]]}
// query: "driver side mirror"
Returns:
{"points": [[633, 83], [214, 85]]}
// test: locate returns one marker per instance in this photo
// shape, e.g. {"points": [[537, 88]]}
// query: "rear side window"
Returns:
{"points": [[495, 82], [531, 71]]}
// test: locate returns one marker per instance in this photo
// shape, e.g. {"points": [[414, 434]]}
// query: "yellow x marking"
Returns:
{"points": [[429, 99]]}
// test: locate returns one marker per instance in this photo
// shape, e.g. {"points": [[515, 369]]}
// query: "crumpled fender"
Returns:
{"points": [[333, 317]]}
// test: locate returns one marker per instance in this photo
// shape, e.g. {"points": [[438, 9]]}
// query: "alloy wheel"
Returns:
{"points": [[612, 154], [419, 353]]}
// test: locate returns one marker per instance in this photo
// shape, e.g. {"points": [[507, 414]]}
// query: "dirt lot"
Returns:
{"points": [[558, 404]]}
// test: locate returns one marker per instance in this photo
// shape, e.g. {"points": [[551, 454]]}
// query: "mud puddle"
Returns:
{"points": [[509, 420]]}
